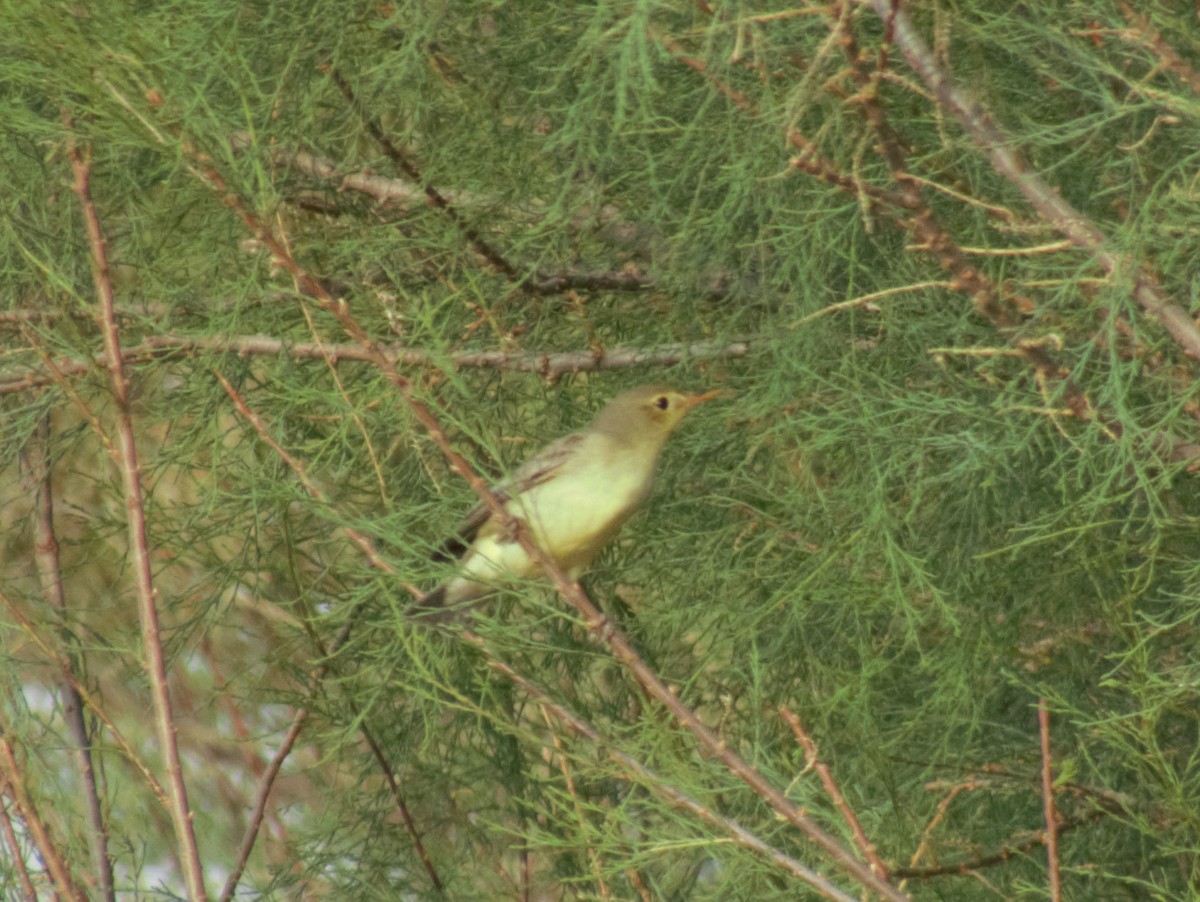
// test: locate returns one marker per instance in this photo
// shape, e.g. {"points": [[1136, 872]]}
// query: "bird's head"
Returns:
{"points": [[649, 413]]}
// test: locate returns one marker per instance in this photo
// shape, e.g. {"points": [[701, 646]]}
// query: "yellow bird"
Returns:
{"points": [[573, 496]]}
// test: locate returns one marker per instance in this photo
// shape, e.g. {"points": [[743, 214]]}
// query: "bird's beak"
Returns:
{"points": [[693, 399]]}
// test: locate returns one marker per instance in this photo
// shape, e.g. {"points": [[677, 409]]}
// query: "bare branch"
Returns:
{"points": [[812, 759], [125, 458], [1050, 815], [548, 364]]}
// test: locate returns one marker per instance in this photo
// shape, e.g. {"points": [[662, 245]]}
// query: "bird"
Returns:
{"points": [[573, 497]]}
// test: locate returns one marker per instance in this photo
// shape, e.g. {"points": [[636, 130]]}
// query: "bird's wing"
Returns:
{"points": [[542, 466]]}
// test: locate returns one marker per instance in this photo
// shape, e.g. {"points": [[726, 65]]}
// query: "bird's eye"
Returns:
{"points": [[662, 402]]}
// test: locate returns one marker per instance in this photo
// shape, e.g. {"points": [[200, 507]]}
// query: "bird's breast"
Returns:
{"points": [[577, 512]]}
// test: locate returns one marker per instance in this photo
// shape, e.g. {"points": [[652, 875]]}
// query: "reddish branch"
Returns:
{"points": [[124, 455], [17, 856], [1049, 814], [865, 847]]}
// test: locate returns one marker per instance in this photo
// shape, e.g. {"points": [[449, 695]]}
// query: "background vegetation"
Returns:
{"points": [[912, 611]]}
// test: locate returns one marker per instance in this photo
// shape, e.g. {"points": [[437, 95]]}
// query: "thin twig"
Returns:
{"points": [[1048, 812], [867, 300], [36, 462], [1052, 247], [125, 458], [866, 848]]}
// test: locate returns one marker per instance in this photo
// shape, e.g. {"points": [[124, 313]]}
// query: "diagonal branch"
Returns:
{"points": [[813, 760], [48, 847], [1049, 203], [1048, 808], [655, 783]]}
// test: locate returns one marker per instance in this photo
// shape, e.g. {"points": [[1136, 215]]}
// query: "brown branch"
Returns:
{"points": [[262, 793], [1049, 203], [384, 189], [812, 759], [548, 364], [36, 463], [124, 455], [27, 316], [48, 847], [1050, 815]]}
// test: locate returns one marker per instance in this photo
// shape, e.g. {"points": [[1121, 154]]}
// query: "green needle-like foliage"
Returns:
{"points": [[952, 479]]}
